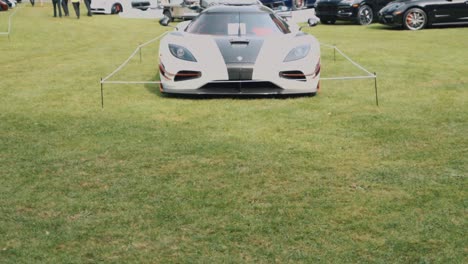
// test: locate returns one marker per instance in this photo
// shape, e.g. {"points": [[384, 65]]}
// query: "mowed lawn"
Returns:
{"points": [[148, 178]]}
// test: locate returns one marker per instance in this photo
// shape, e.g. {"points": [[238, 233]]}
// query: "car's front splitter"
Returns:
{"points": [[238, 88]]}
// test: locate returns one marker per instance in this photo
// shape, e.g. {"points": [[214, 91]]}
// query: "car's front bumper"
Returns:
{"points": [[238, 88], [391, 19], [191, 78]]}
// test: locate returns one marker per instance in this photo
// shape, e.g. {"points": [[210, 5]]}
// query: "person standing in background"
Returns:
{"points": [[56, 4], [88, 6], [76, 6], [32, 2], [65, 7]]}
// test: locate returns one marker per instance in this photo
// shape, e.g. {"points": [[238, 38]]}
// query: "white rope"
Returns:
{"points": [[9, 22], [348, 78], [350, 60], [354, 63], [369, 76], [327, 45], [132, 82], [131, 56]]}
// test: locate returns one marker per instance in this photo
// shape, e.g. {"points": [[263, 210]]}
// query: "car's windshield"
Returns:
{"points": [[228, 24]]}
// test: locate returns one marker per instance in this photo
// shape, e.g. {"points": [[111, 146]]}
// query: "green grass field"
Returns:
{"points": [[331, 178]]}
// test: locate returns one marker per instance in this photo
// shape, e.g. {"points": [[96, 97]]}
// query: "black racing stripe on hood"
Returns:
{"points": [[239, 53]]}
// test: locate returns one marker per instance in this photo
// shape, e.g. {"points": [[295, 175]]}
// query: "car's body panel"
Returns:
{"points": [[105, 6], [439, 12], [287, 3], [342, 10], [233, 64]]}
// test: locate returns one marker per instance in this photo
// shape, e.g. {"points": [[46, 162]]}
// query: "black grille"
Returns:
{"points": [[240, 73], [327, 8], [241, 87]]}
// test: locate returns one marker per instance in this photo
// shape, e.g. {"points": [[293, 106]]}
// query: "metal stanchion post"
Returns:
{"points": [[376, 94], [334, 52], [102, 95]]}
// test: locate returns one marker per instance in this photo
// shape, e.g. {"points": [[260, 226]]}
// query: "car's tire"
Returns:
{"points": [[168, 14], [365, 15], [327, 20], [116, 8], [298, 4], [415, 19]]}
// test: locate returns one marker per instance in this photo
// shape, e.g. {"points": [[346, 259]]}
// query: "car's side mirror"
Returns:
{"points": [[164, 21], [312, 22]]}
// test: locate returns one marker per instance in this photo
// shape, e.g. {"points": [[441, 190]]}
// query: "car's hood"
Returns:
{"points": [[325, 2], [239, 49], [394, 5]]}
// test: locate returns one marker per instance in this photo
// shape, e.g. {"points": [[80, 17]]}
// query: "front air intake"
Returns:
{"points": [[293, 75], [187, 75]]}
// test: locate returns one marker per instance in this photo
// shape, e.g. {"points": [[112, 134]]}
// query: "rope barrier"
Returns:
{"points": [[347, 78], [138, 49], [369, 76], [9, 23], [350, 60], [131, 56]]}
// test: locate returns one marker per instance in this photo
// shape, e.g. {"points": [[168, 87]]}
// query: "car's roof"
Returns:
{"points": [[238, 9]]}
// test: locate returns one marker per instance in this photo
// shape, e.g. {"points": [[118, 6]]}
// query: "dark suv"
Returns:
{"points": [[362, 12]]}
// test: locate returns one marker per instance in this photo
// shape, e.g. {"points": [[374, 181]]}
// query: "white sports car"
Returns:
{"points": [[239, 49], [107, 6]]}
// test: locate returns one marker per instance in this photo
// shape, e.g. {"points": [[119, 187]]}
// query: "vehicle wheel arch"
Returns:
{"points": [[423, 8], [115, 5], [293, 5], [363, 3]]}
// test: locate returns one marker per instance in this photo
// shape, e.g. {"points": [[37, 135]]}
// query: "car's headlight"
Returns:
{"points": [[181, 53], [393, 7], [297, 53]]}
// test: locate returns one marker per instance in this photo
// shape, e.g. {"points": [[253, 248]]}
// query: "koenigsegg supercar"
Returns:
{"points": [[239, 49]]}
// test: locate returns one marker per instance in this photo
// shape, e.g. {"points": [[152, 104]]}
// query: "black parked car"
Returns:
{"points": [[290, 4], [362, 12], [417, 14]]}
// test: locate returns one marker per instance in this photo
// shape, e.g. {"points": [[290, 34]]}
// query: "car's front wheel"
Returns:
{"points": [[116, 8], [365, 15], [168, 14], [298, 4], [415, 19]]}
